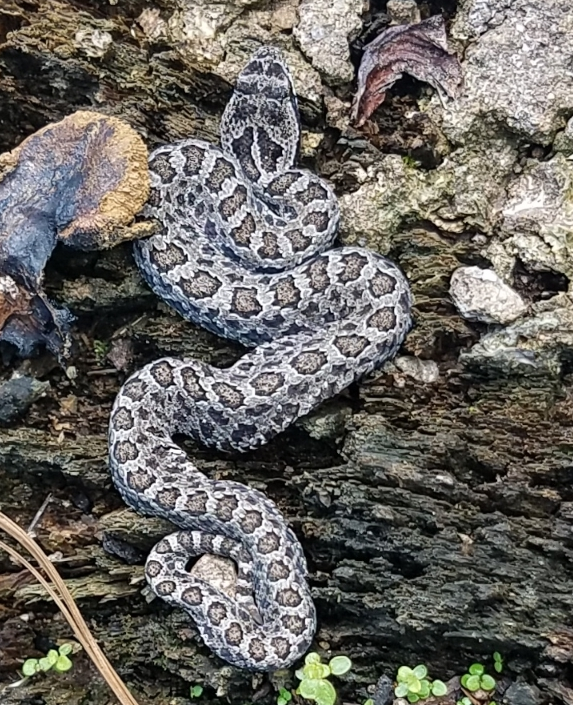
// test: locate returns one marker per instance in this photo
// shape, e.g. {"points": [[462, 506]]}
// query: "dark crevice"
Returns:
{"points": [[9, 23], [536, 285]]}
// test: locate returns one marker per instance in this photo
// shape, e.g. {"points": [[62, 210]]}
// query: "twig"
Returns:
{"points": [[38, 515]]}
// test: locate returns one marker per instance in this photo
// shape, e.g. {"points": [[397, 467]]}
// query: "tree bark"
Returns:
{"points": [[437, 518]]}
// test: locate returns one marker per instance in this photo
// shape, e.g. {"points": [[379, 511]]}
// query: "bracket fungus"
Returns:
{"points": [[80, 182], [419, 50]]}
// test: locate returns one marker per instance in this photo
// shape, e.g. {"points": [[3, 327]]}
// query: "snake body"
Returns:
{"points": [[242, 251]]}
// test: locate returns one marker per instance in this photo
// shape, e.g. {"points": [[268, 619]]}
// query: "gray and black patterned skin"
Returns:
{"points": [[242, 251]]}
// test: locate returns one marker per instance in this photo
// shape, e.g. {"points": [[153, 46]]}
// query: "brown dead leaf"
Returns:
{"points": [[79, 181], [419, 50]]}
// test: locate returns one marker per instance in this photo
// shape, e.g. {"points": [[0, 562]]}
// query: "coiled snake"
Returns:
{"points": [[242, 251]]}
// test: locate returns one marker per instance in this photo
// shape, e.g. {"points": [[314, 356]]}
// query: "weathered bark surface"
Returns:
{"points": [[437, 518]]}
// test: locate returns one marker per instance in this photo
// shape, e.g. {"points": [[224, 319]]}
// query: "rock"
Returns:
{"points": [[466, 190], [121, 353], [326, 422], [403, 11], [384, 691], [425, 371], [221, 573], [393, 194], [153, 25], [476, 175], [532, 346], [537, 217], [517, 73], [18, 394], [564, 140], [482, 183], [94, 43], [217, 571], [197, 29], [324, 31], [480, 295], [522, 694]]}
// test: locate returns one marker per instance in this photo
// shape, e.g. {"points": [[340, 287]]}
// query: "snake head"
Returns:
{"points": [[79, 181], [262, 117]]}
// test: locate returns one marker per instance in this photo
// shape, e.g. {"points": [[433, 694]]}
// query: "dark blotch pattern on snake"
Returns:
{"points": [[242, 251]]}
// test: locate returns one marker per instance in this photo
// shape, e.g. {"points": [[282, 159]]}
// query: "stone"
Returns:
{"points": [[531, 347], [564, 140], [403, 11], [18, 394], [517, 73], [425, 371], [523, 694], [537, 216], [480, 295], [324, 30], [393, 194], [198, 29]]}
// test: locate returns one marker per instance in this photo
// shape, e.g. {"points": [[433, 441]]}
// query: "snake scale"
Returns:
{"points": [[242, 250]]}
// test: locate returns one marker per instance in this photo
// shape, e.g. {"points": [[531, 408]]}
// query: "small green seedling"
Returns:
{"points": [[413, 684], [196, 691], [101, 349], [477, 679], [284, 696], [313, 678], [54, 660], [497, 662]]}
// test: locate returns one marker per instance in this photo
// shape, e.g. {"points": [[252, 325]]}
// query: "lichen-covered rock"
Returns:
{"points": [[537, 218], [515, 81], [220, 37], [94, 43], [466, 191], [324, 31], [217, 571], [564, 140], [479, 173], [517, 76], [403, 11], [393, 194], [326, 422], [480, 295], [533, 346], [197, 29], [425, 371]]}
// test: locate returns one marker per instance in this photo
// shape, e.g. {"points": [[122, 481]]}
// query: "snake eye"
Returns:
{"points": [[276, 70]]}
